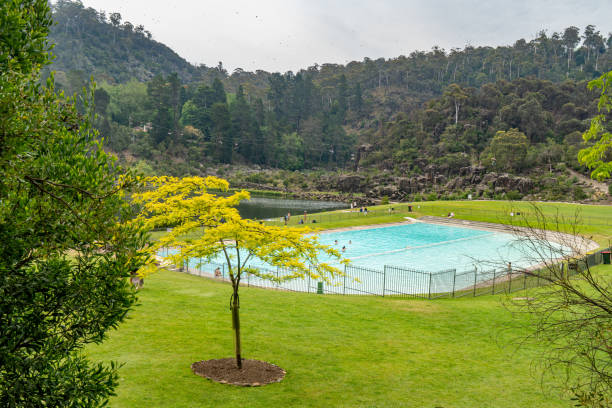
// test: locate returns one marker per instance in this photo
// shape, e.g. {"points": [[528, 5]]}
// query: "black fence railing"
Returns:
{"points": [[398, 281]]}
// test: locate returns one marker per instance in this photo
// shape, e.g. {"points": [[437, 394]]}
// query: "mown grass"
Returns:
{"points": [[338, 351], [593, 220]]}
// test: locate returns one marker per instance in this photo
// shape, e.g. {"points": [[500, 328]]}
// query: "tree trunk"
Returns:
{"points": [[456, 113], [236, 326]]}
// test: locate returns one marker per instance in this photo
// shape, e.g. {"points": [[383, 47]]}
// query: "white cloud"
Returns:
{"points": [[286, 35]]}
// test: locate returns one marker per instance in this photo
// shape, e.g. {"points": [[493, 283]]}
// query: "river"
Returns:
{"points": [[265, 207]]}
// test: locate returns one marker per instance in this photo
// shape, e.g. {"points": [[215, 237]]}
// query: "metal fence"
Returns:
{"points": [[398, 281]]}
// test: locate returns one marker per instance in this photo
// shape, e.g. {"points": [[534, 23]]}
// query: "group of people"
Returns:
{"points": [[287, 218], [363, 210], [343, 246]]}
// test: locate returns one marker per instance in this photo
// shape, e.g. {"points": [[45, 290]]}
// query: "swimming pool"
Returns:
{"points": [[405, 259], [427, 247]]}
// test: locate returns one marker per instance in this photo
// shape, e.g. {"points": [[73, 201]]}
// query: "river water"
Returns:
{"points": [[265, 207]]}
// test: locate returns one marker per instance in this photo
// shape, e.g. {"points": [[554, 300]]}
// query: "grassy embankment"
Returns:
{"points": [[338, 351]]}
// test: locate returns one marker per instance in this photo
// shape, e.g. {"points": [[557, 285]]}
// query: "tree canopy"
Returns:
{"points": [[207, 226], [66, 252], [599, 156]]}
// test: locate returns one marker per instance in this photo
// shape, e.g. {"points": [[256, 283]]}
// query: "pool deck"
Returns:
{"points": [[577, 243], [366, 227]]}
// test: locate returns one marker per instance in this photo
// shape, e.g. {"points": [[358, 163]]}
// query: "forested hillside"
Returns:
{"points": [[434, 111], [88, 42], [511, 126]]}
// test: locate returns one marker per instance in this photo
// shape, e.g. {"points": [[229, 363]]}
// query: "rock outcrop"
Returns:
{"points": [[350, 183]]}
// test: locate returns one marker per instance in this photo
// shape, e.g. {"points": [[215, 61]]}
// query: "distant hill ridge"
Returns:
{"points": [[421, 121], [112, 50], [90, 42]]}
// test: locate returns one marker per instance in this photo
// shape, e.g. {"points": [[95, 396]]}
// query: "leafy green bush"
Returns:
{"points": [[384, 200], [579, 193], [513, 195], [66, 253]]}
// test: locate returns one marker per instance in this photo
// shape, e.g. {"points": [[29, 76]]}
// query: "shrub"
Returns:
{"points": [[513, 195], [579, 193], [384, 200]]}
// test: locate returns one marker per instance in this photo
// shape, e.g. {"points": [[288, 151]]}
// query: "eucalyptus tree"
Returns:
{"points": [[571, 38]]}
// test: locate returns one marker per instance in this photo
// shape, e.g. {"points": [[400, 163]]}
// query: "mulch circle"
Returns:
{"points": [[253, 374]]}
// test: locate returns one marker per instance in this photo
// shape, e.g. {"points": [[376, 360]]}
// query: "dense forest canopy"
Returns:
{"points": [[439, 107]]}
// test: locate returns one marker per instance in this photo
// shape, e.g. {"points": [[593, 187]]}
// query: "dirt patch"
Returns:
{"points": [[254, 372], [417, 307]]}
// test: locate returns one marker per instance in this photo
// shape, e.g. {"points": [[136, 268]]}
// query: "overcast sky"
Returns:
{"points": [[277, 35]]}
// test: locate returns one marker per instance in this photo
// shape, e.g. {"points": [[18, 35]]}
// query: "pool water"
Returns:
{"points": [[403, 259], [427, 247]]}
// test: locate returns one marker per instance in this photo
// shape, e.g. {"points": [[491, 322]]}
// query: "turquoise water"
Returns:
{"points": [[405, 259], [427, 247]]}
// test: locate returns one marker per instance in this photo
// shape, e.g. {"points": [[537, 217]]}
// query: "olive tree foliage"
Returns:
{"points": [[598, 157], [571, 310], [208, 226], [65, 254]]}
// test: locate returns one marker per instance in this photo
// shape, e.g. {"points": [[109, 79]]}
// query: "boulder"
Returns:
{"points": [[471, 171], [505, 181], [350, 183], [405, 185], [475, 179], [456, 184], [481, 188], [387, 190], [439, 179], [489, 178], [524, 185]]}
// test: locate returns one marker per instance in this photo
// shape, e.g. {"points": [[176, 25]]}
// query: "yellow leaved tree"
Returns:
{"points": [[207, 225]]}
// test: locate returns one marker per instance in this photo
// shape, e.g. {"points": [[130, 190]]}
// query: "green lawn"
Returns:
{"points": [[338, 351], [596, 220]]}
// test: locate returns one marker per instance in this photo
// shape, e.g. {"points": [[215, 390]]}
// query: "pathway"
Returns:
{"points": [[576, 243], [599, 186]]}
